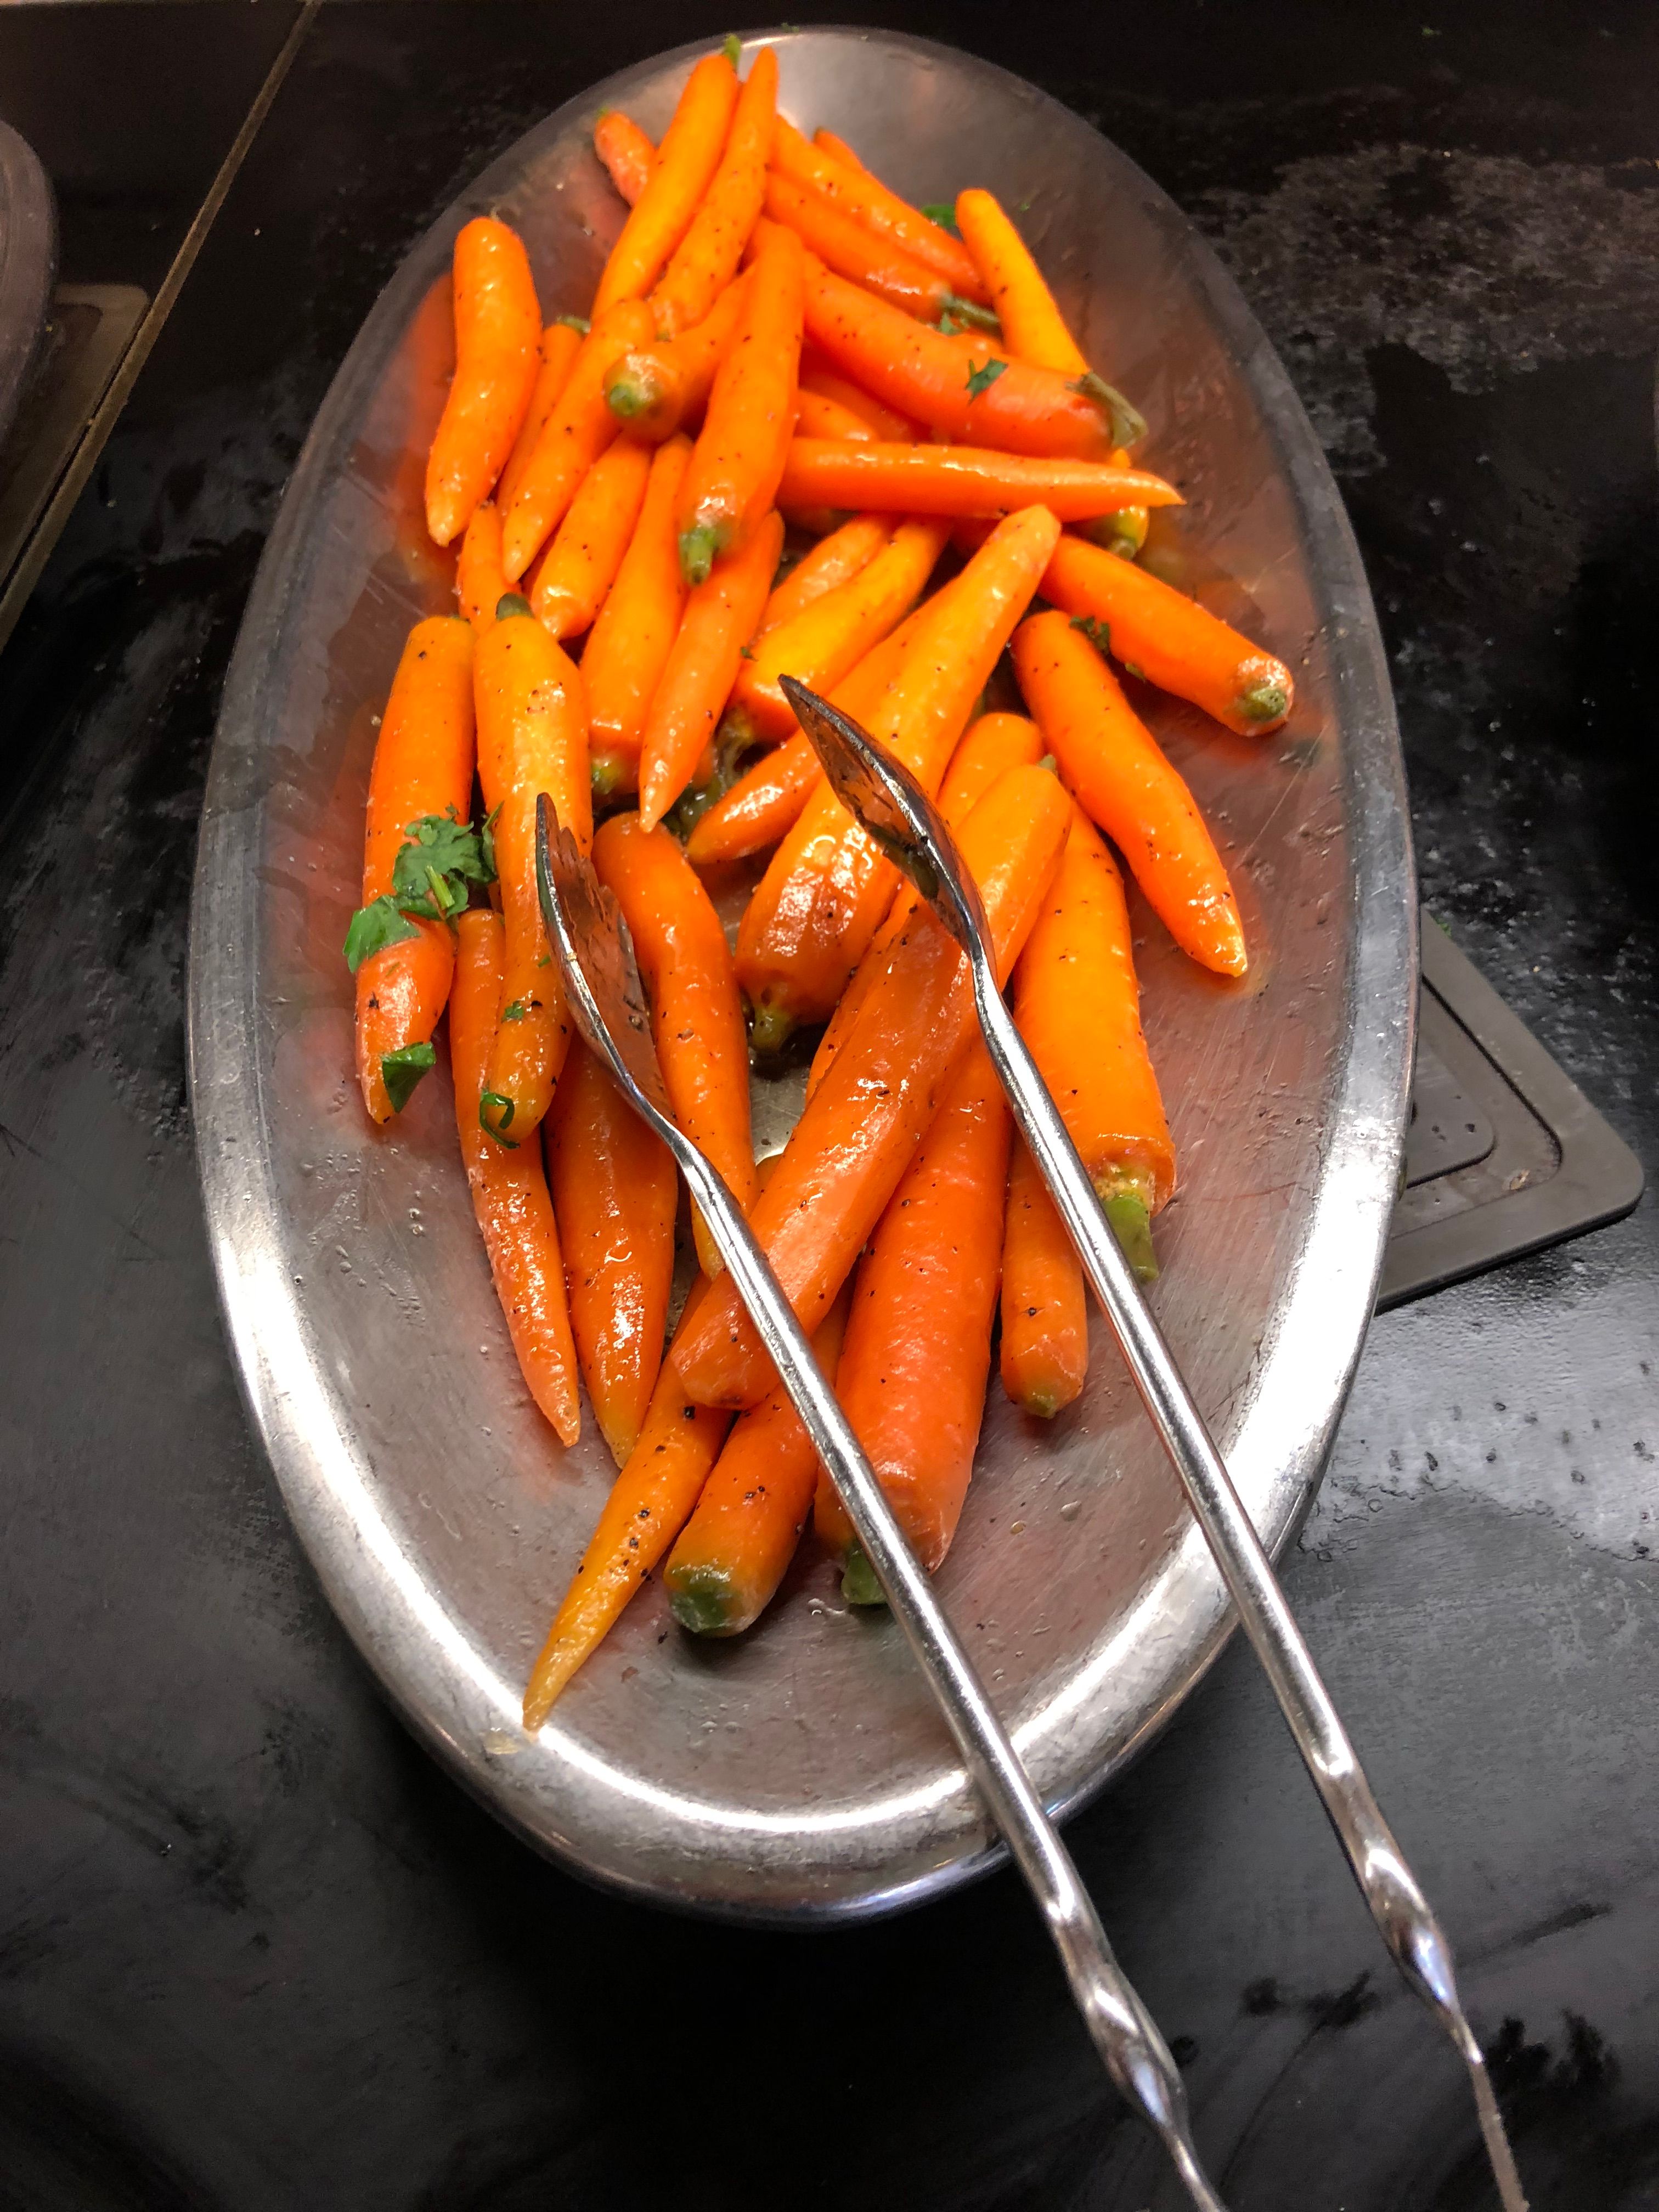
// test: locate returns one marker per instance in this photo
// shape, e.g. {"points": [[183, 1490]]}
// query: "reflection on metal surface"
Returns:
{"points": [[801, 1771]]}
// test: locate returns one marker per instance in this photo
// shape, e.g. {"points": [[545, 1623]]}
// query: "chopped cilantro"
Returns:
{"points": [[432, 870], [1099, 634], [401, 1071], [982, 380], [486, 843], [513, 1011], [943, 213], [495, 1098], [372, 928]]}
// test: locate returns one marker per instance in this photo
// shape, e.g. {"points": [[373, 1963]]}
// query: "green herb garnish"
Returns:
{"points": [[495, 1098], [1099, 633], [513, 1011], [372, 928], [943, 213], [982, 380], [432, 871], [401, 1071]]}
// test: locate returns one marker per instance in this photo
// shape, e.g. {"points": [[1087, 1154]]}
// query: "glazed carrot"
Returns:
{"points": [[479, 581], [861, 196], [422, 768], [918, 1346], [561, 342], [735, 1549], [823, 898], [575, 434], [839, 150], [498, 327], [533, 723], [1124, 782], [654, 389], [861, 1128], [852, 250], [509, 1189], [1045, 1316], [817, 416], [686, 159], [649, 1503], [615, 1192], [696, 1014], [1160, 633], [630, 643], [890, 428], [739, 453], [959, 480], [832, 561], [706, 260], [1033, 327], [828, 639], [629, 156], [719, 619], [580, 565]]}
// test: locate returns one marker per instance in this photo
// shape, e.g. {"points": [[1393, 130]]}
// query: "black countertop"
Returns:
{"points": [[255, 1950]]}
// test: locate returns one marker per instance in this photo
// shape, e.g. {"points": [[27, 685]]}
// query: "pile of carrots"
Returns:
{"points": [[809, 429]]}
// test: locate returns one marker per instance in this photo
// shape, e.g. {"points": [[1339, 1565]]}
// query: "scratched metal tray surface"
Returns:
{"points": [[800, 1773]]}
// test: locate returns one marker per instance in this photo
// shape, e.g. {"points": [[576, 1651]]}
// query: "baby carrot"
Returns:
{"points": [[858, 194], [630, 643], [509, 1188], [580, 565], [696, 1014], [653, 389], [852, 250], [615, 1192], [839, 150], [1161, 635], [739, 453], [561, 343], [575, 434], [828, 638], [498, 327], [1045, 1316], [479, 581], [629, 156], [686, 159], [706, 260], [719, 621], [832, 561], [959, 480], [861, 1127], [890, 428], [650, 1502], [422, 768], [1124, 782], [735, 1549], [815, 416], [918, 1346], [533, 723]]}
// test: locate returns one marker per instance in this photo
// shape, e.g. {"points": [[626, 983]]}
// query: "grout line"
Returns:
{"points": [[23, 579]]}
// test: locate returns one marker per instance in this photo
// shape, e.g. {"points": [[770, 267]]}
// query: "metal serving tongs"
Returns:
{"points": [[897, 812], [603, 986]]}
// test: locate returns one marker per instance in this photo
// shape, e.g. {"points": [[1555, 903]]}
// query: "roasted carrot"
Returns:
{"points": [[533, 723], [735, 1549], [1045, 1316], [580, 565], [655, 389], [817, 416], [823, 898], [686, 159], [858, 194], [719, 619], [696, 1014], [852, 250], [509, 1189], [918, 1346], [739, 453], [706, 260], [629, 644], [1124, 782], [422, 773], [479, 581], [498, 327], [1160, 633], [561, 342], [629, 156], [615, 1192], [828, 638], [575, 434], [649, 1503], [890, 428], [831, 562], [860, 1128], [959, 480]]}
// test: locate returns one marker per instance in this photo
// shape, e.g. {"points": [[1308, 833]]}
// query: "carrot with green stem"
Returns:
{"points": [[498, 327], [629, 157], [418, 853], [480, 581], [1124, 782], [580, 565], [628, 645], [696, 1013], [834, 560], [738, 457], [706, 260], [852, 250], [575, 434], [860, 1128], [857, 193], [959, 480], [509, 1188], [719, 619], [686, 160], [1045, 1316], [561, 342], [654, 390]]}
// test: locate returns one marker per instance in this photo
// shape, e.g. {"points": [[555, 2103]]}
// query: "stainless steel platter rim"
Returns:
{"points": [[276, 1352]]}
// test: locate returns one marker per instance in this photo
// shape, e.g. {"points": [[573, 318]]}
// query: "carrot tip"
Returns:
{"points": [[610, 775], [1132, 1225], [1129, 423], [634, 387], [1264, 704], [770, 1028], [1045, 1404], [511, 604], [702, 1599], [698, 548], [858, 1585], [1123, 532]]}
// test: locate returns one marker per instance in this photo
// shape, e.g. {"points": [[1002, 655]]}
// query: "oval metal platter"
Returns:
{"points": [[800, 1772], [28, 263]]}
